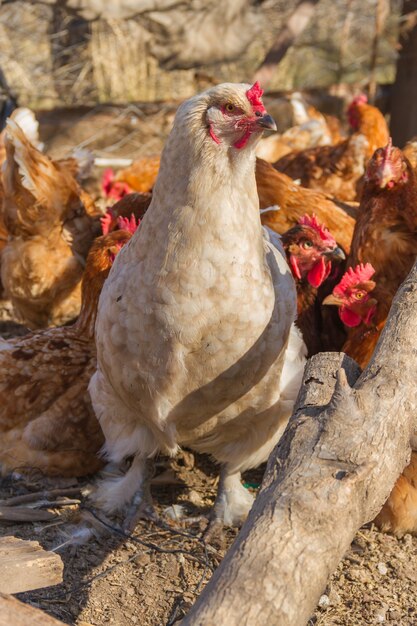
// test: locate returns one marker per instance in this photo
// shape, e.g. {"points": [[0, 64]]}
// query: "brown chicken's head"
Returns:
{"points": [[113, 188], [353, 113], [353, 295], [103, 252], [387, 168], [310, 248], [236, 115]]}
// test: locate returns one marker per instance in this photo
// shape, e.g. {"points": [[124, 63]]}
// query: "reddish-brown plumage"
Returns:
{"points": [[140, 176], [369, 121], [135, 204], [294, 201], [337, 169], [385, 230], [304, 260], [46, 418], [386, 235], [51, 223]]}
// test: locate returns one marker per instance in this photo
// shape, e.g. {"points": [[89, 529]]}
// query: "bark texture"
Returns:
{"points": [[344, 447]]}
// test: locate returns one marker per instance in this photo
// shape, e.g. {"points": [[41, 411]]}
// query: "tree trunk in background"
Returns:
{"points": [[69, 37], [295, 25], [404, 93], [381, 13]]}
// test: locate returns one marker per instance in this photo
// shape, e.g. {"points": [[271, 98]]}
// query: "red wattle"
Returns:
{"points": [[241, 143], [369, 315], [294, 267], [348, 317], [318, 273], [213, 135]]}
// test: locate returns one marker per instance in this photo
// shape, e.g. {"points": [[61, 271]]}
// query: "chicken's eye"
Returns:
{"points": [[307, 245], [229, 107], [359, 295]]}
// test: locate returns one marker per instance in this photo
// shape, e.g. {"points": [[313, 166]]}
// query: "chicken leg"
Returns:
{"points": [[132, 488]]}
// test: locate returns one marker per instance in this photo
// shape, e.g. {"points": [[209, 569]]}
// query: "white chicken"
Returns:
{"points": [[195, 338]]}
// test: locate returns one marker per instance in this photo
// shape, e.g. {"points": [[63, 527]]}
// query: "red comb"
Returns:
{"points": [[311, 220], [124, 223], [106, 181], [353, 277], [360, 99], [106, 221], [388, 149], [254, 95]]}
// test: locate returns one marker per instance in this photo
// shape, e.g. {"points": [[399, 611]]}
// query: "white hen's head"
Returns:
{"points": [[228, 115]]}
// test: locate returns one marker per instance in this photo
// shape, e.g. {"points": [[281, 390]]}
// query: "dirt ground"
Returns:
{"points": [[153, 577]]}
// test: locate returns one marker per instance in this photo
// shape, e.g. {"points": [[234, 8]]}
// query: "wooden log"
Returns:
{"points": [[24, 514], [25, 565], [15, 613], [331, 472]]}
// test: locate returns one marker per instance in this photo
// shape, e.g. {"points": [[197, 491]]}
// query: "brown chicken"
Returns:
{"points": [[385, 230], [46, 418], [51, 223], [310, 129], [132, 204], [292, 201], [386, 236], [337, 170], [311, 251], [356, 300], [140, 177], [410, 152], [368, 120]]}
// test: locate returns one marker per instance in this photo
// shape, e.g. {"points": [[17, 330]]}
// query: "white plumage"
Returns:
{"points": [[194, 321]]}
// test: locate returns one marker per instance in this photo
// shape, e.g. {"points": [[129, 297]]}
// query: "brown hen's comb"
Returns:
{"points": [[388, 149], [312, 221], [124, 223], [360, 99], [353, 277], [106, 221]]}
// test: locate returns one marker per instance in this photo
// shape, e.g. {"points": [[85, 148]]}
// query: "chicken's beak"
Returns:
{"points": [[385, 175], [267, 122], [336, 254], [331, 299]]}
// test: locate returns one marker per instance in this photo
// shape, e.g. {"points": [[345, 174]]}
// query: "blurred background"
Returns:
{"points": [[112, 61]]}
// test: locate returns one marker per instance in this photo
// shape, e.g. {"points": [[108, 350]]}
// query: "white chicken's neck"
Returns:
{"points": [[206, 193]]}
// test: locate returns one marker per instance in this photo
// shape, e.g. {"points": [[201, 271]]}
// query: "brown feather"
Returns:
{"points": [[46, 417]]}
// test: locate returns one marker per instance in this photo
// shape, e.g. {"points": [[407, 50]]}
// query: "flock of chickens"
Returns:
{"points": [[192, 341]]}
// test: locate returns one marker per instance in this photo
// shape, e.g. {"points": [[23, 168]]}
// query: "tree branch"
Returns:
{"points": [[331, 472]]}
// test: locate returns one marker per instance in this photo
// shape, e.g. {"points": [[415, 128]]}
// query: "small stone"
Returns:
{"points": [[334, 598], [379, 615], [382, 568], [195, 498], [394, 615], [175, 512], [358, 574], [324, 601], [142, 560]]}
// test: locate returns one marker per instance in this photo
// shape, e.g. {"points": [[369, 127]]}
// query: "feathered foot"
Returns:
{"points": [[129, 493], [233, 501], [141, 506], [232, 505]]}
